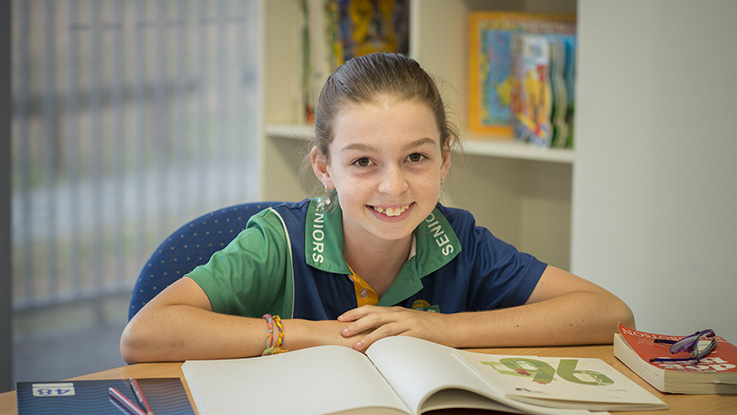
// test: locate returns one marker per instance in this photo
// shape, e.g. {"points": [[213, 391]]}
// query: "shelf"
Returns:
{"points": [[507, 148], [294, 131]]}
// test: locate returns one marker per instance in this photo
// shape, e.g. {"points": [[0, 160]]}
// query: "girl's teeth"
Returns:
{"points": [[391, 211]]}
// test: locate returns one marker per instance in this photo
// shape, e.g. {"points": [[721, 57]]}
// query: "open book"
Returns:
{"points": [[405, 375]]}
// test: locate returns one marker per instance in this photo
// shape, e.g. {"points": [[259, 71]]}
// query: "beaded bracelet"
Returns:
{"points": [[274, 340]]}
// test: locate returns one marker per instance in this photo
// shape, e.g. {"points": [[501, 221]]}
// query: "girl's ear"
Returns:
{"points": [[445, 166], [320, 167]]}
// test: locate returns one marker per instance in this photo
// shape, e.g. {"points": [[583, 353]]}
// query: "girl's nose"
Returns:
{"points": [[393, 181]]}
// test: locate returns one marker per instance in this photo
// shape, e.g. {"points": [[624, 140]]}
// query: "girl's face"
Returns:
{"points": [[386, 164]]}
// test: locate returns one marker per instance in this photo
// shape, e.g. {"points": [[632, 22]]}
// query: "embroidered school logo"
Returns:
{"points": [[425, 306]]}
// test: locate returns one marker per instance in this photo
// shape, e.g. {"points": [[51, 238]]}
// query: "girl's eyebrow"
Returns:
{"points": [[370, 148], [421, 142]]}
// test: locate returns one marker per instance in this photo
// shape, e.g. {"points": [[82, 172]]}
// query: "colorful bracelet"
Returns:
{"points": [[274, 340], [269, 327]]}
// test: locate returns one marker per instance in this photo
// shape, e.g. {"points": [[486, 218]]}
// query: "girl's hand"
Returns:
{"points": [[380, 322], [300, 334]]}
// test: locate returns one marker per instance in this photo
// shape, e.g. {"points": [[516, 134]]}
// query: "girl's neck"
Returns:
{"points": [[377, 263]]}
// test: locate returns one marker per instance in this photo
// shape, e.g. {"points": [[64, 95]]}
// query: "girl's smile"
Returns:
{"points": [[390, 214]]}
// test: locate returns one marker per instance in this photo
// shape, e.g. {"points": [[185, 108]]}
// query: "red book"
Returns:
{"points": [[714, 374]]}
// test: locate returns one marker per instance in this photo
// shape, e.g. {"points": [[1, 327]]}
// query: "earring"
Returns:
{"points": [[442, 181], [325, 202]]}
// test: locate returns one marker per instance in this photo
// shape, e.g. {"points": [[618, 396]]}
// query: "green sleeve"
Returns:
{"points": [[252, 275]]}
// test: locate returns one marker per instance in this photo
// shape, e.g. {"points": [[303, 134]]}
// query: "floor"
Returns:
{"points": [[69, 340]]}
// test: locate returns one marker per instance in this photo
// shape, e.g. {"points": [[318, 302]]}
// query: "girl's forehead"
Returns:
{"points": [[389, 101], [385, 120]]}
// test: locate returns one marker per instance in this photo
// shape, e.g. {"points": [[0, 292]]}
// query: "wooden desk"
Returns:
{"points": [[678, 404]]}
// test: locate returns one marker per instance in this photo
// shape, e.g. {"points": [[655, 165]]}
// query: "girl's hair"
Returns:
{"points": [[367, 78]]}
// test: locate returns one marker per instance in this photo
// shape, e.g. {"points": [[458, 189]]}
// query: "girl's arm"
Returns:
{"points": [[179, 324], [563, 309]]}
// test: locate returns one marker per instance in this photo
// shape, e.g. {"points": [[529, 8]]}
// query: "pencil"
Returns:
{"points": [[125, 402], [140, 396]]}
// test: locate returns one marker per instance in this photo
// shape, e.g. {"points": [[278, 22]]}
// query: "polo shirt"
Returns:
{"points": [[289, 261]]}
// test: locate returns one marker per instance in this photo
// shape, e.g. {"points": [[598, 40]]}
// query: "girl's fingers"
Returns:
{"points": [[360, 312], [385, 330], [369, 318]]}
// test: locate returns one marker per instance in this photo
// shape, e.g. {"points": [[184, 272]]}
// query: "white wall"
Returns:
{"points": [[655, 180]]}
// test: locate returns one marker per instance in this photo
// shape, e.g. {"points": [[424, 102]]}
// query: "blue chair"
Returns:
{"points": [[189, 246]]}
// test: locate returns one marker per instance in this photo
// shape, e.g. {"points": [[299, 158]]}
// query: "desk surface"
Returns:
{"points": [[678, 404]]}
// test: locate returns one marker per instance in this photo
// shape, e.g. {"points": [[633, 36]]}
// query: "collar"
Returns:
{"points": [[434, 245], [324, 239]]}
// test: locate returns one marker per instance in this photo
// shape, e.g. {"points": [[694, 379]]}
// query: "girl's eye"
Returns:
{"points": [[415, 157], [362, 162]]}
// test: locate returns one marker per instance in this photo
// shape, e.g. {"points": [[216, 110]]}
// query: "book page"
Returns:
{"points": [[429, 376], [417, 368], [582, 383], [319, 380]]}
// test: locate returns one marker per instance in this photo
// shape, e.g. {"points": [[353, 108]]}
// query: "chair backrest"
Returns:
{"points": [[189, 246]]}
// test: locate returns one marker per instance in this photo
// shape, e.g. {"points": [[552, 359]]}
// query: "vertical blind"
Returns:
{"points": [[130, 117]]}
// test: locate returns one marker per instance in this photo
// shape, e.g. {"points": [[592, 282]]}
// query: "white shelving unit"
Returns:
{"points": [[521, 193], [484, 147]]}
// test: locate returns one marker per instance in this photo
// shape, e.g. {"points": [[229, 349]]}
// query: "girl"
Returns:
{"points": [[377, 256]]}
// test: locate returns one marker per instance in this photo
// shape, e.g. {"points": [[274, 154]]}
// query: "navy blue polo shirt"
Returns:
{"points": [[289, 261]]}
